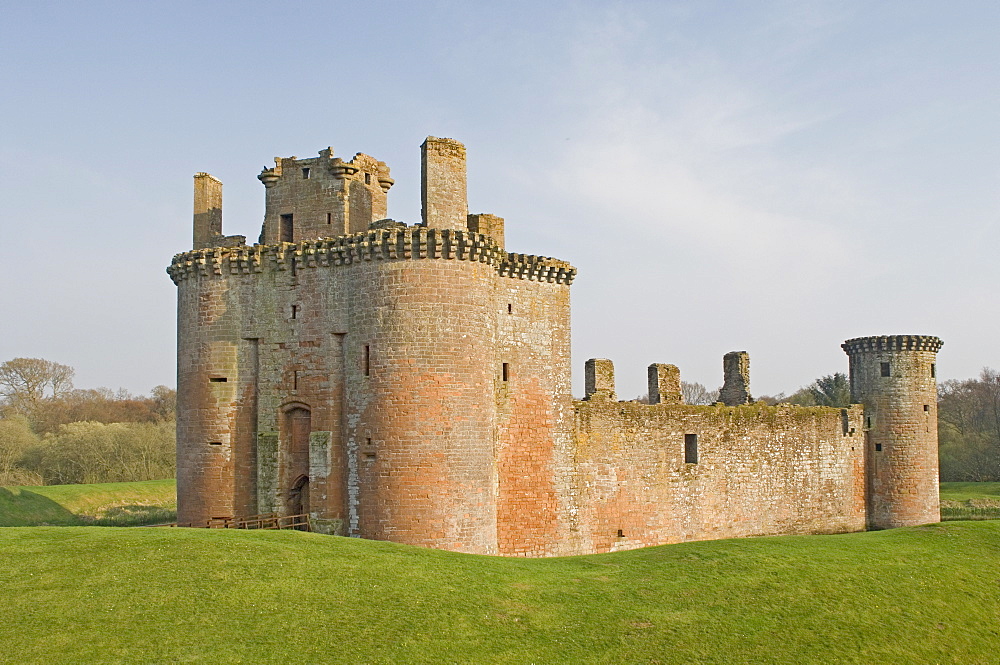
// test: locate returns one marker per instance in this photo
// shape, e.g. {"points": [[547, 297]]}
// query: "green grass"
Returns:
{"points": [[81, 595], [103, 504], [970, 501]]}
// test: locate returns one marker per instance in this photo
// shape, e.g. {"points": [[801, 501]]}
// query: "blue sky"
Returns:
{"points": [[773, 177]]}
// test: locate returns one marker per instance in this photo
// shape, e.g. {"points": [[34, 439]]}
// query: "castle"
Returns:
{"points": [[412, 383]]}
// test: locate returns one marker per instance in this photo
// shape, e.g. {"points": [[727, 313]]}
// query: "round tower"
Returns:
{"points": [[893, 376]]}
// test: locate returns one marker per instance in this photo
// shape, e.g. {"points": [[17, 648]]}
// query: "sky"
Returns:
{"points": [[768, 176]]}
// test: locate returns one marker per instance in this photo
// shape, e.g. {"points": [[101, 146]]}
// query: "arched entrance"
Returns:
{"points": [[298, 497], [295, 430]]}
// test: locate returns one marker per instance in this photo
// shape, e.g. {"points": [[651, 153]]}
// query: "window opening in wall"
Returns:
{"points": [[878, 447], [885, 369], [305, 174], [295, 380], [329, 218], [215, 443], [510, 308], [933, 371], [621, 534], [286, 229], [368, 178], [505, 371], [927, 407], [295, 311], [869, 422], [218, 379], [690, 448], [366, 360]]}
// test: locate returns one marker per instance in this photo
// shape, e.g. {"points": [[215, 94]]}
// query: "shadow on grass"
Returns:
{"points": [[24, 508]]}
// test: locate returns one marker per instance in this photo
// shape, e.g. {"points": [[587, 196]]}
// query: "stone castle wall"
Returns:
{"points": [[412, 383]]}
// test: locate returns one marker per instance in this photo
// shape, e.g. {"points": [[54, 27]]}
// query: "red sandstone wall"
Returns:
{"points": [[761, 470], [422, 423], [534, 408]]}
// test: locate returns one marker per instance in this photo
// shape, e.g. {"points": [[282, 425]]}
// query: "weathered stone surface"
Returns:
{"points": [[736, 377], [412, 383]]}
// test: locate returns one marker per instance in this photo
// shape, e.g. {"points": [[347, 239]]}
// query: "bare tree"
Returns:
{"points": [[25, 382], [695, 393]]}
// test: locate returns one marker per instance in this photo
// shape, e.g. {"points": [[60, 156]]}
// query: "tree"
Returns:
{"points": [[696, 393], [969, 428], [831, 390], [16, 439], [25, 382]]}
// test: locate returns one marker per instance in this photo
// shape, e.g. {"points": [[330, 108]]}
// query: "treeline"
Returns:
{"points": [[52, 433]]}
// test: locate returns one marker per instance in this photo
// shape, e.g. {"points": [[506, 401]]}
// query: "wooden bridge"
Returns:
{"points": [[268, 521]]}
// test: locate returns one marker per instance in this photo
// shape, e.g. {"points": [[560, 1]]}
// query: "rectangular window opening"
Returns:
{"points": [[878, 447], [218, 379], [510, 308], [286, 230], [933, 370], [621, 533], [927, 407], [505, 371], [368, 178], [295, 380], [305, 173], [329, 218], [295, 311], [690, 448], [366, 361], [215, 443], [885, 369]]}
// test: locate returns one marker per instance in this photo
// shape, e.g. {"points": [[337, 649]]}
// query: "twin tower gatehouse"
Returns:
{"points": [[412, 383]]}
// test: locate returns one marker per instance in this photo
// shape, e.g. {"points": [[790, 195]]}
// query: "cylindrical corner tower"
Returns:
{"points": [[893, 376]]}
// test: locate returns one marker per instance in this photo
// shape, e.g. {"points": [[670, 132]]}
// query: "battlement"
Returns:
{"points": [[400, 243], [893, 343]]}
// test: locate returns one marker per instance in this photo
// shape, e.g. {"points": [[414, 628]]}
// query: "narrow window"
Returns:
{"points": [[505, 371], [286, 229], [690, 448], [869, 422], [510, 308], [215, 443], [218, 379], [621, 534], [368, 178], [885, 369], [366, 360], [878, 447], [368, 441], [305, 174], [295, 311], [933, 371], [329, 218], [295, 380], [927, 407]]}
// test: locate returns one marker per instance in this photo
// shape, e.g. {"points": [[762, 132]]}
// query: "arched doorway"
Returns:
{"points": [[295, 430], [298, 497]]}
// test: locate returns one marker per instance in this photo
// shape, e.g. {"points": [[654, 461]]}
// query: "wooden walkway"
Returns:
{"points": [[269, 521]]}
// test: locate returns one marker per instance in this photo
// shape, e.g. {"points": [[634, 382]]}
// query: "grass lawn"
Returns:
{"points": [[80, 595], [103, 504], [970, 501]]}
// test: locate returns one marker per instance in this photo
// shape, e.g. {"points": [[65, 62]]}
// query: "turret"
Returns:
{"points": [[893, 376], [322, 197]]}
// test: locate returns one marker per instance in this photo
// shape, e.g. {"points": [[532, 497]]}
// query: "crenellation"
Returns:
{"points": [[413, 383]]}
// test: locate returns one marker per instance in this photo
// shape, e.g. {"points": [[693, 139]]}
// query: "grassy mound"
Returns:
{"points": [[103, 504], [915, 595]]}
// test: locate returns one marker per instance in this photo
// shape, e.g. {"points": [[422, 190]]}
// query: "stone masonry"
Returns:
{"points": [[412, 383]]}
